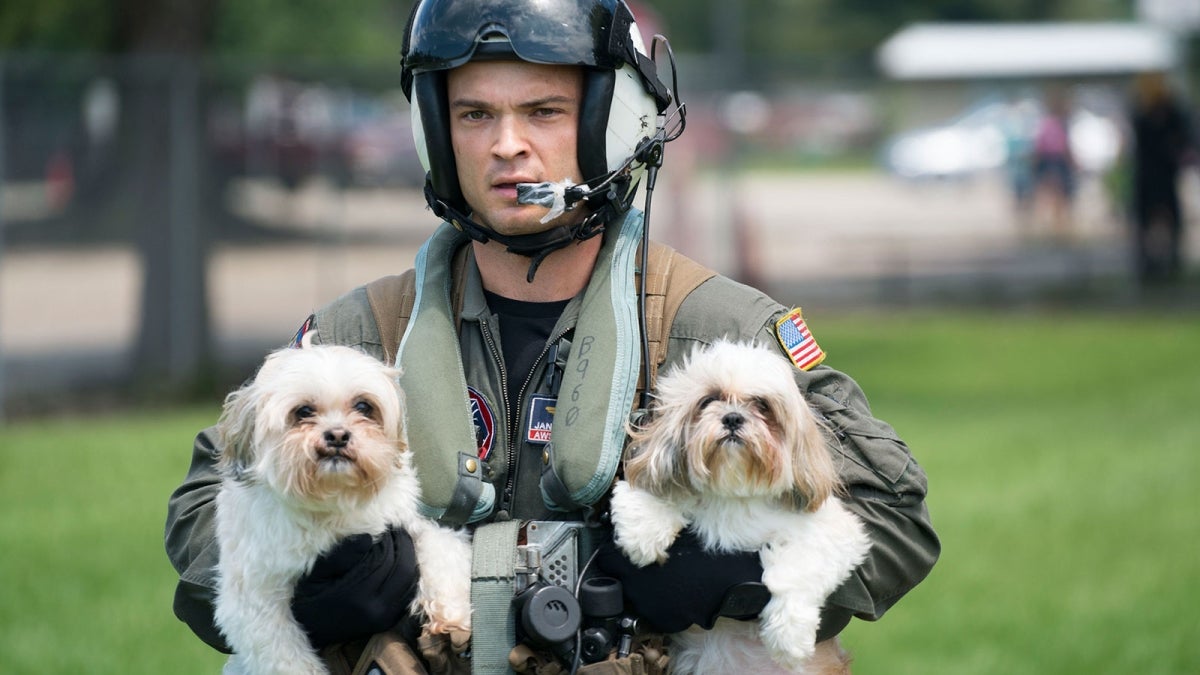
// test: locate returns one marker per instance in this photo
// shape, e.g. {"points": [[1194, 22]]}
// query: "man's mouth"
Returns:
{"points": [[508, 185]]}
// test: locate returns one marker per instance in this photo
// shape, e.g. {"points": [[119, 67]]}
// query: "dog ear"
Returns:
{"points": [[814, 474], [235, 430], [654, 455], [396, 422]]}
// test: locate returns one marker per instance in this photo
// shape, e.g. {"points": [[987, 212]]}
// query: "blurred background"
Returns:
{"points": [[987, 209], [183, 181]]}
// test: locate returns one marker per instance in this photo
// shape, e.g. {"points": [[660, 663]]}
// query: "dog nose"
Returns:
{"points": [[733, 421], [337, 438]]}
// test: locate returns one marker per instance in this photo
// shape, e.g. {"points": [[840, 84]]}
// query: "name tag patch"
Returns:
{"points": [[541, 419]]}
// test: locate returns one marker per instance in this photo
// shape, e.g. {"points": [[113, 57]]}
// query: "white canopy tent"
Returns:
{"points": [[939, 51]]}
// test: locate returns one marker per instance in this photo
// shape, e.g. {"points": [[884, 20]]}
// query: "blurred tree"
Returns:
{"points": [[57, 25], [348, 30], [357, 31]]}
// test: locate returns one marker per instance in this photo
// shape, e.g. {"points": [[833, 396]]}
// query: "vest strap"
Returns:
{"points": [[391, 299], [493, 584], [440, 420], [553, 488], [670, 278], [600, 379]]}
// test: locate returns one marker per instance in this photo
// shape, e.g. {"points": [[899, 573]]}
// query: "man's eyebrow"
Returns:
{"points": [[479, 104], [469, 103], [542, 102]]}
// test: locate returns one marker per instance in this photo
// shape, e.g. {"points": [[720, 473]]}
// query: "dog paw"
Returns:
{"points": [[448, 626], [643, 554], [444, 616], [793, 659], [443, 597], [644, 526], [644, 546], [789, 632]]}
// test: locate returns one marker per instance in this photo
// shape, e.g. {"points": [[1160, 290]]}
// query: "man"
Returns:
{"points": [[522, 339], [1162, 146]]}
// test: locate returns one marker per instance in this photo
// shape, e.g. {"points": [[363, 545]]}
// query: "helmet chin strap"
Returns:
{"points": [[535, 246]]}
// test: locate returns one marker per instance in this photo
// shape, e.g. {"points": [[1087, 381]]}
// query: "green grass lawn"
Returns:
{"points": [[1062, 453], [87, 584]]}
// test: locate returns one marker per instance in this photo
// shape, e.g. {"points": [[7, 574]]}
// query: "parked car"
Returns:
{"points": [[293, 131], [381, 152], [985, 136]]}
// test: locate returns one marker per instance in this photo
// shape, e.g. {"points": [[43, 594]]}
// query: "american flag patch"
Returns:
{"points": [[800, 345], [298, 338]]}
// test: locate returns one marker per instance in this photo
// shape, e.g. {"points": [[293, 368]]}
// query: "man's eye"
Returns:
{"points": [[364, 408], [304, 412]]}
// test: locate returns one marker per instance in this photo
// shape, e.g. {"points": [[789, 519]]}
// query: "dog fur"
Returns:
{"points": [[314, 450], [732, 450]]}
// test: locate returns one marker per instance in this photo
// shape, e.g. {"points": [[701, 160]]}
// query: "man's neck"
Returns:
{"points": [[561, 276]]}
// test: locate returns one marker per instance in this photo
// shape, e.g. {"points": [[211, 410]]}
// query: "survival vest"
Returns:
{"points": [[578, 474]]}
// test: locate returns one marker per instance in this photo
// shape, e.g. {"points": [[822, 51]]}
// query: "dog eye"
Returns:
{"points": [[706, 401], [304, 412], [761, 405], [365, 409]]}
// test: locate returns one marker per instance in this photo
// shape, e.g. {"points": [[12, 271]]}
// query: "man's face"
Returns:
{"points": [[513, 122]]}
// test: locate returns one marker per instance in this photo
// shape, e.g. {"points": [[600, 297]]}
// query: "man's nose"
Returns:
{"points": [[510, 139]]}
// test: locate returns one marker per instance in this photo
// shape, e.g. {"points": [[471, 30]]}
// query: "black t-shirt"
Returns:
{"points": [[524, 329]]}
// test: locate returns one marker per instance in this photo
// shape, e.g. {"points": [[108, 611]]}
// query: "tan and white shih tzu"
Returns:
{"points": [[732, 450], [314, 450]]}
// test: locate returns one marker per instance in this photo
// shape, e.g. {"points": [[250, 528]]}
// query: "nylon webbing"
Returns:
{"points": [[493, 559]]}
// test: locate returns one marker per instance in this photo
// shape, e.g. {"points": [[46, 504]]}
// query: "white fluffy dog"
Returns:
{"points": [[733, 450], [314, 450]]}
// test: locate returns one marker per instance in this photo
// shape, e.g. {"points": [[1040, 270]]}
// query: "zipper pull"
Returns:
{"points": [[551, 368], [557, 362]]}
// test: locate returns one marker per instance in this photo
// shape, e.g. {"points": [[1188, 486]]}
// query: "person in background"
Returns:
{"points": [[1162, 145], [1054, 164], [1019, 126]]}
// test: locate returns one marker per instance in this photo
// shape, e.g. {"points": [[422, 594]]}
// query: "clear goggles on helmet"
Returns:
{"points": [[594, 33]]}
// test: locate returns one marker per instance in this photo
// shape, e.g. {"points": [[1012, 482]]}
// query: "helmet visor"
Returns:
{"points": [[445, 33]]}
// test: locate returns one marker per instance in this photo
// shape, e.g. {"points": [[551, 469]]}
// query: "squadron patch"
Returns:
{"points": [[797, 341], [485, 423]]}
